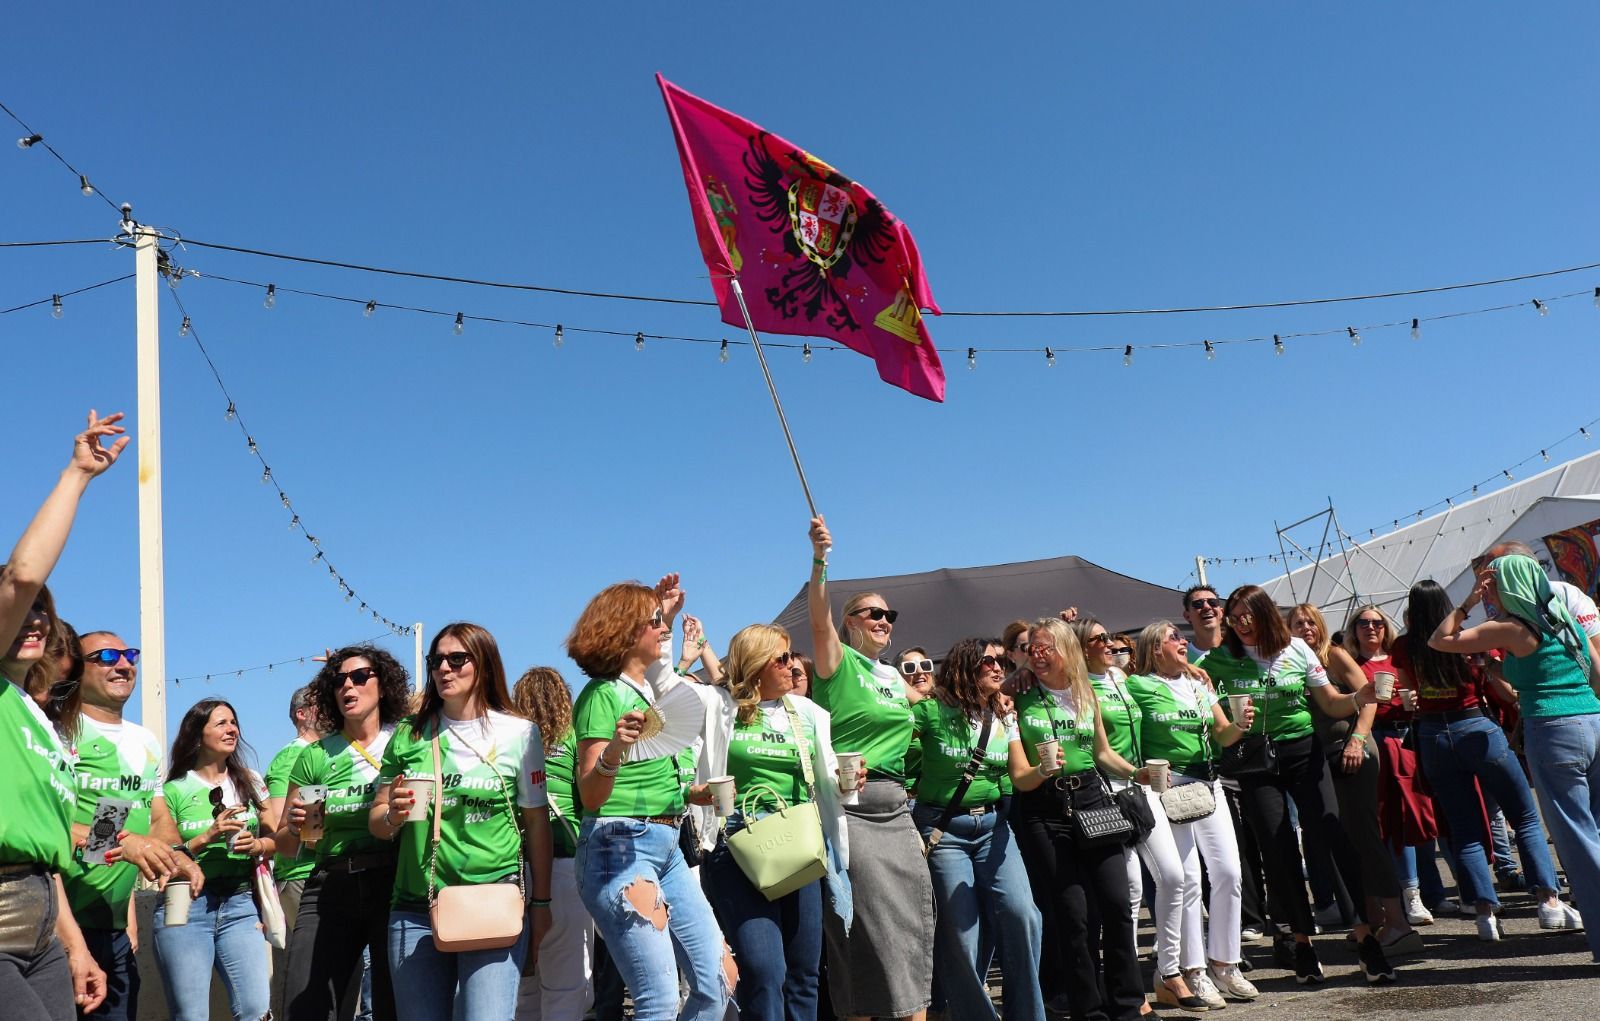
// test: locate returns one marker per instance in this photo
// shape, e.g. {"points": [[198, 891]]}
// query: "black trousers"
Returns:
{"points": [[340, 914], [1302, 775], [1082, 888]]}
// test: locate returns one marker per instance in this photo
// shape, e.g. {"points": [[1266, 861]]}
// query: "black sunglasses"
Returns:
{"points": [[783, 658], [1367, 622], [877, 613], [994, 661], [657, 620], [1021, 647], [1200, 604], [457, 660], [216, 801], [362, 674], [916, 666], [109, 657], [1100, 639]]}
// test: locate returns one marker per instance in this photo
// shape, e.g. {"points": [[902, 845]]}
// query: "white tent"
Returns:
{"points": [[1556, 512]]}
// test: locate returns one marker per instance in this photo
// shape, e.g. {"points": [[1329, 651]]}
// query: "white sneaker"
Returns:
{"points": [[1416, 914], [1489, 928], [1201, 985], [1250, 934], [1231, 983], [1559, 916]]}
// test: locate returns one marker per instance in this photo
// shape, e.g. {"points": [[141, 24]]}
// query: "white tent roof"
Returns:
{"points": [[1442, 547]]}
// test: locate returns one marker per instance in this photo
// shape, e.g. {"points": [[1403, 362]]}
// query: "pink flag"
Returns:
{"points": [[815, 252]]}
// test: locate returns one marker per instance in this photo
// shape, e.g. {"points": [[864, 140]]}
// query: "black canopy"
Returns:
{"points": [[939, 608]]}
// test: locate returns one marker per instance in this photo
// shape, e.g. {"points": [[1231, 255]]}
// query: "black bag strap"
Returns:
{"points": [[973, 764]]}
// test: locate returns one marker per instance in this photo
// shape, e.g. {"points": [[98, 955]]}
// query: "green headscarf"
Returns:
{"points": [[1525, 593]]}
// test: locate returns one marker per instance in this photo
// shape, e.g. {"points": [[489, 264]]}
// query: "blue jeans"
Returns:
{"points": [[981, 888], [113, 952], [777, 944], [222, 933], [649, 909], [1454, 754], [430, 985], [1564, 755]]}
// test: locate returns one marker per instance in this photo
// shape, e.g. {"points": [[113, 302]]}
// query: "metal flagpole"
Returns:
{"points": [[755, 341], [420, 678], [152, 571]]}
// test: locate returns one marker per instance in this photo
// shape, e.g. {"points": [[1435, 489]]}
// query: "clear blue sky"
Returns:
{"points": [[1046, 156]]}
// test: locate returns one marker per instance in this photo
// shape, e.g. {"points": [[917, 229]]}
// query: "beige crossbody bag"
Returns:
{"points": [[477, 916]]}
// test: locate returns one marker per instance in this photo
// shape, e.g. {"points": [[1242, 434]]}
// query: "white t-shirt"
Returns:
{"points": [[496, 734], [1580, 606], [1295, 658]]}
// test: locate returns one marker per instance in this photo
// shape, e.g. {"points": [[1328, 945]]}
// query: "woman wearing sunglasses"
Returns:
{"points": [[778, 944], [917, 669], [632, 876], [41, 976], [878, 966], [360, 694], [980, 884], [487, 790], [1282, 675], [220, 808], [1074, 883], [1181, 721]]}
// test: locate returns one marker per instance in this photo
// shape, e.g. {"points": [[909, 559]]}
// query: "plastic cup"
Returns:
{"points": [[315, 797], [1237, 704], [722, 794], [178, 898], [1383, 681], [422, 787], [1049, 756], [1160, 773], [849, 771]]}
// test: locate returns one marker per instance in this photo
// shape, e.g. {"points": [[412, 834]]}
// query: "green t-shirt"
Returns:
{"points": [[36, 825], [871, 713], [1277, 687], [116, 761], [1043, 714], [189, 800], [1176, 719], [560, 769], [649, 788], [352, 782], [764, 753], [946, 737], [304, 862], [486, 764], [1120, 719]]}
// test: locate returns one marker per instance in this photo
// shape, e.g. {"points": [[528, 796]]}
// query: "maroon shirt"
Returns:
{"points": [[1432, 694]]}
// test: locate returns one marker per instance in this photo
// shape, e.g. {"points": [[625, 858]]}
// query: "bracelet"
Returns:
{"points": [[604, 768], [1358, 736], [536, 902], [819, 562]]}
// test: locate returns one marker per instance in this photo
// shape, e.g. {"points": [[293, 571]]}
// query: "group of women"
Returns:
{"points": [[481, 841]]}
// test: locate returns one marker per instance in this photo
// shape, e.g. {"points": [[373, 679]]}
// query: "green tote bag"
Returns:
{"points": [[782, 852]]}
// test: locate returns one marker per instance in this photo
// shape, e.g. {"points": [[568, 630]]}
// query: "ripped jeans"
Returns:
{"points": [[650, 911]]}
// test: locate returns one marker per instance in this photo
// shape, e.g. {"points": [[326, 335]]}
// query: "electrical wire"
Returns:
{"points": [[241, 671], [60, 158], [66, 294]]}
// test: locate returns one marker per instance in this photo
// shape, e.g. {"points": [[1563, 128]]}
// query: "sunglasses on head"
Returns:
{"points": [[916, 666], [457, 660], [361, 674], [998, 662], [1200, 604], [109, 657], [876, 613]]}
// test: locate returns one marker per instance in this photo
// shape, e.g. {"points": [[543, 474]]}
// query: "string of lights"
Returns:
{"points": [[241, 671], [1585, 431], [33, 138], [56, 301], [187, 329], [1050, 352]]}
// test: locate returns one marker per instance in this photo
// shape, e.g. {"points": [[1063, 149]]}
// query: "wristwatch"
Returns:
{"points": [[183, 848]]}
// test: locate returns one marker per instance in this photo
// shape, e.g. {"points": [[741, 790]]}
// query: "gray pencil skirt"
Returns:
{"points": [[884, 967]]}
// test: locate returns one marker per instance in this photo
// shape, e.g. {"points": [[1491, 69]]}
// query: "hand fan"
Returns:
{"points": [[671, 725]]}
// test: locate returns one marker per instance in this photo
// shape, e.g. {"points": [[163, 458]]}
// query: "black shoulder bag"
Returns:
{"points": [[1131, 799], [1251, 755], [973, 765]]}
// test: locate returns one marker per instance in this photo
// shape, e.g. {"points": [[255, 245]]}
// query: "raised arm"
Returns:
{"points": [[827, 653]]}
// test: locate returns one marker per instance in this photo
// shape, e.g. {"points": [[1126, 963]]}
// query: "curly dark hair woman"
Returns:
{"points": [[394, 686], [960, 681]]}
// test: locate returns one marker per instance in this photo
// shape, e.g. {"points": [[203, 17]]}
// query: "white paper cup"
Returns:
{"points": [[1383, 681], [1160, 773], [1049, 756], [1236, 707], [1408, 699], [178, 897], [721, 794], [849, 770], [422, 787], [315, 797]]}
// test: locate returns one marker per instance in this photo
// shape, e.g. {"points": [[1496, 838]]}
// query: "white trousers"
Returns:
{"points": [[562, 988], [1212, 839], [1160, 855]]}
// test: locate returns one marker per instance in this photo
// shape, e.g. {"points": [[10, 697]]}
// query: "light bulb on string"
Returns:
{"points": [[183, 330], [1049, 358], [1544, 455], [250, 441], [1277, 344], [638, 341], [1541, 307], [84, 186], [272, 296], [283, 498], [561, 336], [266, 476], [372, 306], [1416, 330], [1507, 473], [722, 356], [1584, 432], [55, 306], [29, 141], [461, 323], [232, 411], [1127, 355], [1211, 352], [972, 358], [316, 556], [1355, 336], [294, 522], [805, 353], [1597, 297]]}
